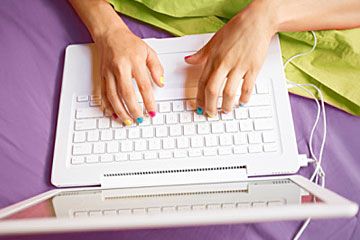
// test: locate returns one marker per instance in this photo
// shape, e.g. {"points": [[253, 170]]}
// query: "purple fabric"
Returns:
{"points": [[33, 37]]}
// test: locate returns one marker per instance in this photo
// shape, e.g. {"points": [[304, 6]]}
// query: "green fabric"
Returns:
{"points": [[334, 66]]}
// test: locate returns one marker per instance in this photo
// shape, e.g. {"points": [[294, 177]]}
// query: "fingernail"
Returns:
{"points": [[114, 116], [187, 57], [162, 80], [241, 104], [127, 122], [199, 111], [152, 114], [224, 112], [210, 115], [139, 120]]}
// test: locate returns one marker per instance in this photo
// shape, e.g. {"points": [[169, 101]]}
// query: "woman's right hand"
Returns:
{"points": [[124, 56]]}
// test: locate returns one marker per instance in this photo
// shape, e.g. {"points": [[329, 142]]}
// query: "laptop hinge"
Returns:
{"points": [[173, 177]]}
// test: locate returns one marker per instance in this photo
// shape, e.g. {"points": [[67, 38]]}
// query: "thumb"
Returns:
{"points": [[197, 58]]}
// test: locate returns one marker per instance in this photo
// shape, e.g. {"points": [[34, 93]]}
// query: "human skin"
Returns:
{"points": [[234, 54]]}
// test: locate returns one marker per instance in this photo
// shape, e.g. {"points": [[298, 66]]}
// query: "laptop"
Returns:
{"points": [[178, 168]]}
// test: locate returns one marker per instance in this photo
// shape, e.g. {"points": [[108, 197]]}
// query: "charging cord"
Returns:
{"points": [[318, 176]]}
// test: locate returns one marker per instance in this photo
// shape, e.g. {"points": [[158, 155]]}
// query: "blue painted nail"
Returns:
{"points": [[199, 111], [139, 120]]}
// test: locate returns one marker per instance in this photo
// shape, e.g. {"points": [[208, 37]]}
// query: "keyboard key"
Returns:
{"points": [[217, 127], [95, 97], [150, 155], [92, 159], [171, 118], [99, 147], [134, 132], [140, 145], [263, 124], [168, 143], [195, 153], [88, 113], [254, 137], [165, 154], [268, 137], [246, 125], [120, 134], [271, 147], [154, 144], [199, 118], [126, 146], [147, 132], [106, 135], [256, 148], [112, 147], [161, 131], [135, 156], [175, 130], [180, 154], [240, 138], [211, 141], [231, 126], [197, 141], [260, 112], [79, 137], [185, 117], [83, 98], [81, 149], [164, 107], [93, 136], [262, 88], [85, 124], [106, 158], [189, 130], [95, 103], [158, 119], [227, 116], [226, 140], [259, 100], [77, 160], [241, 113], [116, 124], [121, 157], [210, 151], [225, 151], [178, 106], [240, 149], [203, 128], [104, 123], [182, 142], [214, 119]]}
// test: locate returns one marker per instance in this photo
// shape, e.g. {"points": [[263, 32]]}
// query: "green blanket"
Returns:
{"points": [[334, 66]]}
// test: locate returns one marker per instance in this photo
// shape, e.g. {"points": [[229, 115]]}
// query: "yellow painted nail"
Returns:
{"points": [[127, 122], [162, 80], [210, 115]]}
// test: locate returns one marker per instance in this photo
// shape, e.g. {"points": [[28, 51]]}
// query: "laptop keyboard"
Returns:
{"points": [[176, 208], [177, 131]]}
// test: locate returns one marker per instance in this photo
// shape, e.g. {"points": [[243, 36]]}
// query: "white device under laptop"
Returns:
{"points": [[179, 168]]}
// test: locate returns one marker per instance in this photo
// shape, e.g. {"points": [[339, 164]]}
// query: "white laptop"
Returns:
{"points": [[178, 168]]}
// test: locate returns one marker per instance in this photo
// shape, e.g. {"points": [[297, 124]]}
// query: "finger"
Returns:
{"points": [[200, 95], [201, 56], [126, 91], [144, 85], [212, 89], [230, 89], [114, 99], [155, 68], [247, 87]]}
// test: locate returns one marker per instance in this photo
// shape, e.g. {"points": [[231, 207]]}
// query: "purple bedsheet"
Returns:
{"points": [[33, 37]]}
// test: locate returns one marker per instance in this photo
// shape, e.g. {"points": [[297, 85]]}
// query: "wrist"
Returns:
{"points": [[267, 12]]}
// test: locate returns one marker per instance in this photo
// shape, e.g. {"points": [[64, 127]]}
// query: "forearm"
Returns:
{"points": [[98, 16], [306, 15]]}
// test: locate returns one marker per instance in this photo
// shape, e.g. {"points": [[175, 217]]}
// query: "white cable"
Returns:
{"points": [[318, 171]]}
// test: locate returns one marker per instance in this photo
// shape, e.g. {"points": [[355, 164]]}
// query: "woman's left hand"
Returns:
{"points": [[236, 52]]}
